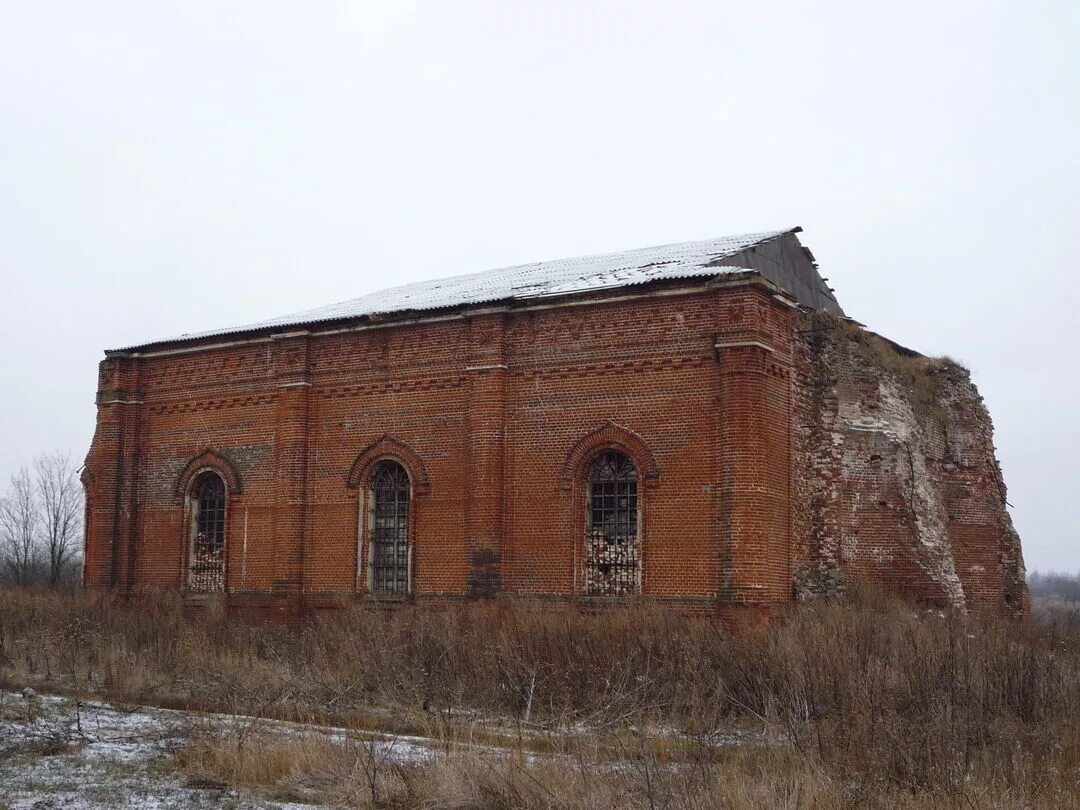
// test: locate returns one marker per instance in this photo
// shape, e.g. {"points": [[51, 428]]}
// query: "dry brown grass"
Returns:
{"points": [[740, 777], [349, 773], [871, 704]]}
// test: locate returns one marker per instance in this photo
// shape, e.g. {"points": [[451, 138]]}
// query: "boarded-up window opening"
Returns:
{"points": [[612, 565], [207, 573], [390, 529]]}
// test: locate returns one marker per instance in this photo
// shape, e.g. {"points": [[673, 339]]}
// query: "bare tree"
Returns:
{"points": [[19, 526], [59, 497]]}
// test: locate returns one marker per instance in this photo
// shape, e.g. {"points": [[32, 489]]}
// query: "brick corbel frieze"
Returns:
{"points": [[210, 459], [610, 436], [386, 446]]}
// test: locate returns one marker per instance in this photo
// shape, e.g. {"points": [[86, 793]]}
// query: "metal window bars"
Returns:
{"points": [[390, 529], [207, 572], [612, 564]]}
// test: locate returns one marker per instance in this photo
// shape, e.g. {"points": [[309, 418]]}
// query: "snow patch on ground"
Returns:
{"points": [[56, 752], [59, 752]]}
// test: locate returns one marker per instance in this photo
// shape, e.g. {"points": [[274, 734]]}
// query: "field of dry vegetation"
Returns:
{"points": [[869, 704]]}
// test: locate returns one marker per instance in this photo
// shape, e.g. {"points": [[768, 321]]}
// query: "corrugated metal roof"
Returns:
{"points": [[523, 282]]}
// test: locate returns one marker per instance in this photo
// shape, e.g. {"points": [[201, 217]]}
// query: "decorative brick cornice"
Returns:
{"points": [[609, 436], [382, 387], [190, 405], [210, 459], [594, 370], [389, 447]]}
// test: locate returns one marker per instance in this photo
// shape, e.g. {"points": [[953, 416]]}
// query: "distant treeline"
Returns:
{"points": [[1054, 585]]}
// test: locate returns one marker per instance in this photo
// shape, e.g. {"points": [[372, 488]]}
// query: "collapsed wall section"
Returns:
{"points": [[897, 482]]}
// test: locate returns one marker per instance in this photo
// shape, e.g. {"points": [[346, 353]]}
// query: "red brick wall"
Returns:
{"points": [[502, 411], [773, 457]]}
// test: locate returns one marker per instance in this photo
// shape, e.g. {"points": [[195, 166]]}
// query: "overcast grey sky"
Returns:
{"points": [[168, 168]]}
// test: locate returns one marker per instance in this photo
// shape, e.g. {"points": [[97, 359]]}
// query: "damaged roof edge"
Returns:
{"points": [[670, 286], [777, 255]]}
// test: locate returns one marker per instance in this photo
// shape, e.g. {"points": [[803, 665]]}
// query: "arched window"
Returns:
{"points": [[207, 572], [389, 555], [612, 560]]}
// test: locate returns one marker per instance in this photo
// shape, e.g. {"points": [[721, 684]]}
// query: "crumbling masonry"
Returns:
{"points": [[896, 474]]}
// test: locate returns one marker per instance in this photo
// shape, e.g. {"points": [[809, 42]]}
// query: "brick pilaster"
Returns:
{"points": [[754, 450], [487, 446], [291, 531], [112, 476]]}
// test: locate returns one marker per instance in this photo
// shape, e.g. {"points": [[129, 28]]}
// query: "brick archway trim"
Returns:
{"points": [[389, 447], [210, 459], [615, 437]]}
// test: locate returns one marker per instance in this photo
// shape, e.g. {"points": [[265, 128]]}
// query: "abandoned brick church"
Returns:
{"points": [[696, 423]]}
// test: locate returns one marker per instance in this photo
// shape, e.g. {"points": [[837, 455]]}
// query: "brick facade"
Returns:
{"points": [[709, 388]]}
